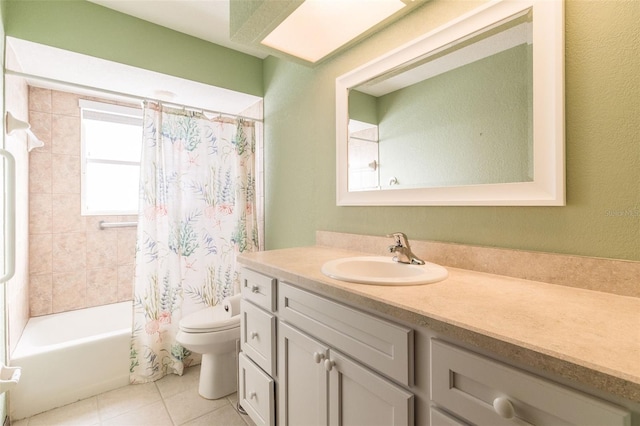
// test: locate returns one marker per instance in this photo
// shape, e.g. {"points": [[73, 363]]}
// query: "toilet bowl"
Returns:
{"points": [[213, 332]]}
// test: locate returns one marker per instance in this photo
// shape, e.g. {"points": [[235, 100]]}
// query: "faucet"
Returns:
{"points": [[402, 250]]}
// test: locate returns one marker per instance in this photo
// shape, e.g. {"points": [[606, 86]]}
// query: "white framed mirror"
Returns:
{"points": [[489, 128]]}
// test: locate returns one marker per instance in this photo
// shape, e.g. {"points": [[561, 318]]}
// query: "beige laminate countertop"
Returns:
{"points": [[586, 336]]}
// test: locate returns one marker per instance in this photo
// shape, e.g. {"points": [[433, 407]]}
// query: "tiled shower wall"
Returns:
{"points": [[72, 263]]}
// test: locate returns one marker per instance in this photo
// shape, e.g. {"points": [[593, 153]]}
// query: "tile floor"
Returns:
{"points": [[172, 401]]}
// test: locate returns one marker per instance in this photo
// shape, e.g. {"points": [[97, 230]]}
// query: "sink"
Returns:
{"points": [[380, 270]]}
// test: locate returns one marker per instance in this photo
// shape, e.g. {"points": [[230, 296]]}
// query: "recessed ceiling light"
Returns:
{"points": [[318, 27]]}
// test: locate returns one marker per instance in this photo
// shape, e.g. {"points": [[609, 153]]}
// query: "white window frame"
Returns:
{"points": [[106, 109]]}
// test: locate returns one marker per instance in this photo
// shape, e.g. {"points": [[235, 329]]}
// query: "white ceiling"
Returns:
{"points": [[204, 19]]}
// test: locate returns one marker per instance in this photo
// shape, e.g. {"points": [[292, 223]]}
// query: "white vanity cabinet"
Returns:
{"points": [[308, 359], [303, 390], [332, 363], [257, 362]]}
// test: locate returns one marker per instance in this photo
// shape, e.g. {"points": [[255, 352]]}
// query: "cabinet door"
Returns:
{"points": [[360, 397], [302, 387], [256, 392]]}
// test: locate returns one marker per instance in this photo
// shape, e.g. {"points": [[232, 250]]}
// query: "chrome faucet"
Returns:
{"points": [[402, 250]]}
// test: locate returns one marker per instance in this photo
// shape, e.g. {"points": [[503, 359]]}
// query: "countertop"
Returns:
{"points": [[585, 336]]}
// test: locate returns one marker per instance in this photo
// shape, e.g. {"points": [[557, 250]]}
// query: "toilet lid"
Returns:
{"points": [[209, 319]]}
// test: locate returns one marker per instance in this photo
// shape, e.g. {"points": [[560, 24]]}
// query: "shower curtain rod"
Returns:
{"points": [[124, 95]]}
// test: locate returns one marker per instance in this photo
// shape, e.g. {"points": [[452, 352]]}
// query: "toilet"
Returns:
{"points": [[214, 332]]}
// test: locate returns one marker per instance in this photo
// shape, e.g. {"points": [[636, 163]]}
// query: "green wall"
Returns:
{"points": [[84, 27], [469, 125], [363, 107], [602, 215]]}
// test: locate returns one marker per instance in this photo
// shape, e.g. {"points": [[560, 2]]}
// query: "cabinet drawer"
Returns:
{"points": [[259, 289], [469, 385], [257, 336], [380, 344], [256, 392]]}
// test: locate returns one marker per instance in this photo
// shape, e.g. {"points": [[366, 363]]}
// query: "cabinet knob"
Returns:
{"points": [[318, 357], [328, 364], [503, 407], [255, 289], [252, 395], [254, 334]]}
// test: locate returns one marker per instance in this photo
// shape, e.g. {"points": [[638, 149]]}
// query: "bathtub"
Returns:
{"points": [[69, 356]]}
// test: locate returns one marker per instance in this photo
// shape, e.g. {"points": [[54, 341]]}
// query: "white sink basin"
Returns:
{"points": [[381, 270]]}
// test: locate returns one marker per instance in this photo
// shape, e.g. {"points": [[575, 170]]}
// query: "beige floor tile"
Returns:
{"points": [[173, 384], [189, 405], [225, 416], [233, 400], [84, 413], [171, 401], [248, 421], [154, 414], [125, 399]]}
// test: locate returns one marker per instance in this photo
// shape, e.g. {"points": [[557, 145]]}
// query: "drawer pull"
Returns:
{"points": [[252, 395], [503, 407], [254, 334], [328, 364], [255, 289], [318, 357]]}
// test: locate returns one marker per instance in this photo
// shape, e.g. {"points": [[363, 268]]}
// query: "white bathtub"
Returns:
{"points": [[70, 356]]}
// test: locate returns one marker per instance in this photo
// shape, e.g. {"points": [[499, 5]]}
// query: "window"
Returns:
{"points": [[111, 149]]}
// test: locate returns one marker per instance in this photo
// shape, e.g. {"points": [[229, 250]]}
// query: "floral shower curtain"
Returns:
{"points": [[197, 212]]}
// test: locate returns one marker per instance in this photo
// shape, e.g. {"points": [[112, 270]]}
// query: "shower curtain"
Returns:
{"points": [[197, 212]]}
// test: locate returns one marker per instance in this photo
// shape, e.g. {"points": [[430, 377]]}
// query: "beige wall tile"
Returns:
{"points": [[69, 252], [41, 127], [126, 246], [66, 174], [102, 286], [69, 291], [65, 135], [65, 103], [40, 173], [66, 214], [40, 213], [39, 99], [102, 249], [40, 294], [125, 282], [63, 242], [40, 254]]}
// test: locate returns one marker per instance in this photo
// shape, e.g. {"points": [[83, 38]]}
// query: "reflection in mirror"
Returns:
{"points": [[460, 116], [363, 155], [471, 113]]}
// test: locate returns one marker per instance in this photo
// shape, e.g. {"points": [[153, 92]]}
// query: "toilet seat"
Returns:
{"points": [[209, 320]]}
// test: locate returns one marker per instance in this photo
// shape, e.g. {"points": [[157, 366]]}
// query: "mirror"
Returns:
{"points": [[471, 113]]}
